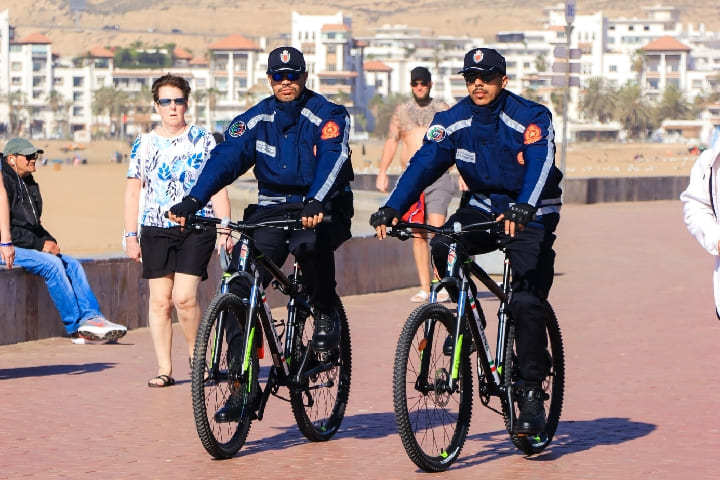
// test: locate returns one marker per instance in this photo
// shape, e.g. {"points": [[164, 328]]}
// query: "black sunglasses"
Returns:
{"points": [[32, 156], [292, 76], [419, 83], [164, 102], [486, 77]]}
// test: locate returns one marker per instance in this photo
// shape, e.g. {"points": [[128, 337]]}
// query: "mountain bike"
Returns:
{"points": [[229, 347], [432, 381]]}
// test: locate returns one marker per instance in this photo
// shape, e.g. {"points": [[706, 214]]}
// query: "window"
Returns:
{"points": [[16, 81], [38, 81], [77, 96], [78, 81], [16, 66], [613, 68], [58, 81], [77, 111]]}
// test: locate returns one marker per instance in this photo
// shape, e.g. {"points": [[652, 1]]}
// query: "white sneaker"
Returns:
{"points": [[100, 328], [78, 339]]}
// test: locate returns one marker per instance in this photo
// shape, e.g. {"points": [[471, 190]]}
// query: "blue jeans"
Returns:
{"points": [[66, 283]]}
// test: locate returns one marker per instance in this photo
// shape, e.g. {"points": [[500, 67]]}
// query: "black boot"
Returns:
{"points": [[532, 410], [233, 409], [327, 332]]}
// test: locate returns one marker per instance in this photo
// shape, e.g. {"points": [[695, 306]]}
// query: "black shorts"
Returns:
{"points": [[170, 250]]}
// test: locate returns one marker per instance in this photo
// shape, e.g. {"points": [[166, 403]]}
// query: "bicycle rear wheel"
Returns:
{"points": [[432, 421], [216, 378], [319, 401], [553, 385]]}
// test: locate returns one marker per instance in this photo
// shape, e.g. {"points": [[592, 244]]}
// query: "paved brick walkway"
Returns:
{"points": [[634, 300]]}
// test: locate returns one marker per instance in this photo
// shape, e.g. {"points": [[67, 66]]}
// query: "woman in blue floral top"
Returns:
{"points": [[164, 166]]}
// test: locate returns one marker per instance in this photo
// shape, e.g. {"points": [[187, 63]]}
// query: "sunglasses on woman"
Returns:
{"points": [[164, 102], [292, 76]]}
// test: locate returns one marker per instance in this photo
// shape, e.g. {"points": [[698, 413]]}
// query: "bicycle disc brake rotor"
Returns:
{"points": [[442, 396]]}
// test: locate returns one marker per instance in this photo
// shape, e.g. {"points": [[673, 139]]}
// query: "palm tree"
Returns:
{"points": [[673, 105], [59, 106], [210, 97], [382, 109], [633, 111], [598, 100], [15, 101], [112, 102]]}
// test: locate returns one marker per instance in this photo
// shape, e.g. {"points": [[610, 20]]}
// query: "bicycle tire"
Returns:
{"points": [[319, 403], [433, 425], [211, 390], [553, 385]]}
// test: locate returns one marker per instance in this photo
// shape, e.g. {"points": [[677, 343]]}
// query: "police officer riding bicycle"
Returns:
{"points": [[297, 143], [503, 147]]}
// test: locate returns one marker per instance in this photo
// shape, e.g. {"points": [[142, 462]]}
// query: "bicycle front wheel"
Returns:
{"points": [[433, 420], [217, 381], [319, 400], [553, 385]]}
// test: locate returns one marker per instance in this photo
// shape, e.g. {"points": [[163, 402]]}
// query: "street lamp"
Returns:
{"points": [[569, 17]]}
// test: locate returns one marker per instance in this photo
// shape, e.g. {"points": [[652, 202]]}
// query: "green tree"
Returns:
{"points": [[633, 111], [673, 105], [15, 101], [541, 63], [382, 109], [57, 103], [113, 103], [597, 101]]}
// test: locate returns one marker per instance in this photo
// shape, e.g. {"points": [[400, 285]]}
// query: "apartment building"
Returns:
{"points": [[54, 96]]}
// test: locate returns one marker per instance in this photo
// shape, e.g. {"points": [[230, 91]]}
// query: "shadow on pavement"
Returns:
{"points": [[47, 370], [571, 437], [366, 426]]}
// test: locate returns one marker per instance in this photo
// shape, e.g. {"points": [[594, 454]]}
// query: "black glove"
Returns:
{"points": [[520, 213], [312, 208], [188, 205], [384, 216]]}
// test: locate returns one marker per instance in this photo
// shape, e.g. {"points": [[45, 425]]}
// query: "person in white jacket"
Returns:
{"points": [[701, 206]]}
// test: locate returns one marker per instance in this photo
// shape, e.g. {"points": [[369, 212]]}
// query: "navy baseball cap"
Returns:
{"points": [[286, 59], [483, 60]]}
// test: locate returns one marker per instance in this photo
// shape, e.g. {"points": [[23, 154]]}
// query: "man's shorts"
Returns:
{"points": [[439, 194], [170, 250]]}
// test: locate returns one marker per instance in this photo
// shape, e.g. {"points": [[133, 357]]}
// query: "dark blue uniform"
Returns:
{"points": [[299, 151], [505, 153]]}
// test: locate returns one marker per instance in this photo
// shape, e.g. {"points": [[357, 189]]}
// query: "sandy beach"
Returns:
{"points": [[83, 203]]}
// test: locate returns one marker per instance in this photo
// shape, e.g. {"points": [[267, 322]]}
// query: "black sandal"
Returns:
{"points": [[165, 381]]}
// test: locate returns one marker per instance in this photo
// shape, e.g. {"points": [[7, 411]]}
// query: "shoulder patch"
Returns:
{"points": [[436, 133], [330, 130], [237, 129], [532, 134]]}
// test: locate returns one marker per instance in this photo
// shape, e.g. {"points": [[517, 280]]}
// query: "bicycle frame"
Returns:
{"points": [[280, 352], [460, 271]]}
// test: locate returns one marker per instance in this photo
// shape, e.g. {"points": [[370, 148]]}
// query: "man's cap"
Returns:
{"points": [[286, 59], [420, 74], [483, 60], [20, 146]]}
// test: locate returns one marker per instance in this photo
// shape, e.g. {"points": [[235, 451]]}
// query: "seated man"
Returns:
{"points": [[37, 251]]}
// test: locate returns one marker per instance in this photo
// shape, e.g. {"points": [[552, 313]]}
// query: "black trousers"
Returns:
{"points": [[532, 259]]}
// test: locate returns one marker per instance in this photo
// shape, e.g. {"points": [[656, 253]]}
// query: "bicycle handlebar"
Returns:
{"points": [[403, 230], [197, 221]]}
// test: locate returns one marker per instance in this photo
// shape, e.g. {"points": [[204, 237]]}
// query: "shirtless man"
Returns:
{"points": [[408, 125]]}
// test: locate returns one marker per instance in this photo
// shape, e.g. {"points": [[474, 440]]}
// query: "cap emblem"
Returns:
{"points": [[477, 58]]}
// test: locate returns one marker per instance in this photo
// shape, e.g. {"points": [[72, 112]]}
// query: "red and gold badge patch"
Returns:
{"points": [[532, 134], [330, 130]]}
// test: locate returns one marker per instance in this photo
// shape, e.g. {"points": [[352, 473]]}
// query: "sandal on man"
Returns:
{"points": [[165, 381]]}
